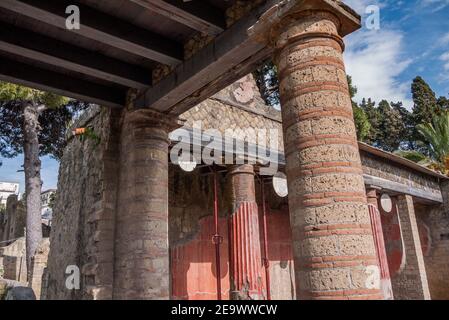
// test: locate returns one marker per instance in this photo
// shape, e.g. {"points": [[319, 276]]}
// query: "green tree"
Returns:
{"points": [[443, 103], [390, 128], [435, 135], [369, 107], [266, 77], [33, 122], [408, 125], [424, 108], [361, 121]]}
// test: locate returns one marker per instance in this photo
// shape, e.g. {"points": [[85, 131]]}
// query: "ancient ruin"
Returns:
{"points": [[358, 222]]}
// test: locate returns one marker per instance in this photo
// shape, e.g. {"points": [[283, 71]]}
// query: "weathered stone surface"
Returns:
{"points": [[325, 256]]}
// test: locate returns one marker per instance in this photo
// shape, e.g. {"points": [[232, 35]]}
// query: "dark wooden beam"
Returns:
{"points": [[102, 28], [224, 58], [41, 48], [198, 15], [34, 77]]}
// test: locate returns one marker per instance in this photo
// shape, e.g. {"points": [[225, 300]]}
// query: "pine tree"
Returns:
{"points": [[33, 122], [408, 126], [267, 80], [424, 109], [361, 121], [391, 128], [369, 107]]}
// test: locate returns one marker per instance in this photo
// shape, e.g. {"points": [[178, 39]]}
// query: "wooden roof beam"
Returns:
{"points": [[34, 77], [33, 46], [198, 15], [101, 27]]}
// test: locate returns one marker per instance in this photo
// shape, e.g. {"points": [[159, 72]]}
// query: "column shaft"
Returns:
{"points": [[376, 224], [141, 268], [335, 256], [247, 282]]}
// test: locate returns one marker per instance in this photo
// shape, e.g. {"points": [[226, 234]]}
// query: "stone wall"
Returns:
{"points": [[436, 257], [38, 266], [410, 283], [14, 221], [13, 261], [84, 213], [388, 170], [85, 210]]}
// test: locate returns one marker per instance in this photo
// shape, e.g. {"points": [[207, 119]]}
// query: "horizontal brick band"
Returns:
{"points": [[296, 146], [328, 164], [337, 226], [319, 61], [310, 43], [327, 233], [319, 113], [351, 292], [297, 91], [315, 37], [326, 201], [341, 264], [321, 171]]}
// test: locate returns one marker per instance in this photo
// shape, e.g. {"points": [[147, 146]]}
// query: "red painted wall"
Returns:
{"points": [[193, 263]]}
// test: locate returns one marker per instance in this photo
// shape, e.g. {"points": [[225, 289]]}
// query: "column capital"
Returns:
{"points": [[286, 12], [147, 118], [241, 169]]}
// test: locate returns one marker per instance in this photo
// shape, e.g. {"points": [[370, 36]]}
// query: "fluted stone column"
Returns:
{"points": [[247, 281], [334, 250], [141, 248], [379, 240]]}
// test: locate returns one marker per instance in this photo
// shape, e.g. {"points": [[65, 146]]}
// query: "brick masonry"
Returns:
{"points": [[84, 213], [435, 220], [332, 238], [86, 203]]}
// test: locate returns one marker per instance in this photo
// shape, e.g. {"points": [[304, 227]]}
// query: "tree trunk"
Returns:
{"points": [[33, 185]]}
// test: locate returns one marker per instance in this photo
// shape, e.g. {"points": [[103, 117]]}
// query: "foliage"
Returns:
{"points": [[53, 119], [435, 136], [89, 133], [362, 124], [391, 127], [52, 200], [424, 108], [268, 83]]}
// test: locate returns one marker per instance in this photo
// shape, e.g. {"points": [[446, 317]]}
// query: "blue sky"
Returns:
{"points": [[413, 39]]}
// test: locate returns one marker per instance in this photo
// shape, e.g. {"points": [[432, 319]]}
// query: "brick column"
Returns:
{"points": [[141, 248], [376, 224], [246, 271], [411, 282], [333, 245]]}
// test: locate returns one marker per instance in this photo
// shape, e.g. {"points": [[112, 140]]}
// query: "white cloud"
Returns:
{"points": [[445, 38], [435, 4], [375, 60], [445, 58]]}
